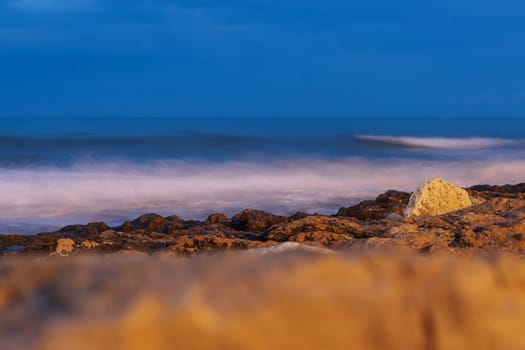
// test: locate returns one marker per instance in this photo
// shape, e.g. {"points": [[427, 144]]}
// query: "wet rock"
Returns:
{"points": [[388, 202], [436, 197], [255, 220]]}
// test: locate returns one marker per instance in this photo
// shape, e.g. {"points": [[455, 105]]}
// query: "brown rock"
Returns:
{"points": [[495, 225], [217, 218], [299, 215], [210, 243], [386, 203], [488, 192], [255, 220], [8, 241], [83, 231], [148, 222], [153, 222], [89, 244], [328, 231]]}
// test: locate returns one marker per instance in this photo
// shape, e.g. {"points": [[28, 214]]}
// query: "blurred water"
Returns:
{"points": [[55, 172], [63, 141]]}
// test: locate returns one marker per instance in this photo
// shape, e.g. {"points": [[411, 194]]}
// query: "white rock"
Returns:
{"points": [[436, 197]]}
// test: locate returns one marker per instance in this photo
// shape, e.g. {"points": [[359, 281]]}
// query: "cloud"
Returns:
{"points": [[53, 5]]}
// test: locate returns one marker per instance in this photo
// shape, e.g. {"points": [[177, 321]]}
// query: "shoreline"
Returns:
{"points": [[366, 277], [491, 225]]}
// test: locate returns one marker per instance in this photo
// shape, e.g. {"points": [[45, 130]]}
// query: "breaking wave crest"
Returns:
{"points": [[35, 198], [442, 143]]}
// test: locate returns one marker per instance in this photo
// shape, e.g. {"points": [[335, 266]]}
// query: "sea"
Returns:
{"points": [[59, 171]]}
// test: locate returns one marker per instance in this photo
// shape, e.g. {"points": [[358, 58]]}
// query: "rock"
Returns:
{"points": [[499, 189], [153, 222], [255, 220], [174, 219], [392, 198], [89, 244], [370, 302], [485, 192], [495, 225], [217, 218], [65, 247], [298, 215], [393, 216], [83, 231], [388, 202], [328, 231], [173, 224], [6, 297], [148, 222], [7, 241], [188, 245], [437, 197]]}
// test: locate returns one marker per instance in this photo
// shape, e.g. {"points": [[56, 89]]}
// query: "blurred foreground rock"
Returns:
{"points": [[279, 301]]}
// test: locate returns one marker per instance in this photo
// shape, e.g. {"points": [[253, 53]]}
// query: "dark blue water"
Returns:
{"points": [[57, 171], [63, 141]]}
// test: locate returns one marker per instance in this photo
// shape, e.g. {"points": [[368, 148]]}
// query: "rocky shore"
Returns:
{"points": [[403, 271], [491, 222]]}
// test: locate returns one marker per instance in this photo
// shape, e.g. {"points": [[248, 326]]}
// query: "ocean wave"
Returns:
{"points": [[442, 143], [114, 192]]}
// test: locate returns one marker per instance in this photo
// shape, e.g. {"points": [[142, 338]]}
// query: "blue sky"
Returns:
{"points": [[450, 58]]}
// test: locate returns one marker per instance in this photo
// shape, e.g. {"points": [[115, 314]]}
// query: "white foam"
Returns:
{"points": [[444, 143], [114, 192]]}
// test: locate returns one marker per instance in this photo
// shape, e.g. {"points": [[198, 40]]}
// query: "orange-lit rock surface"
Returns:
{"points": [[281, 301]]}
